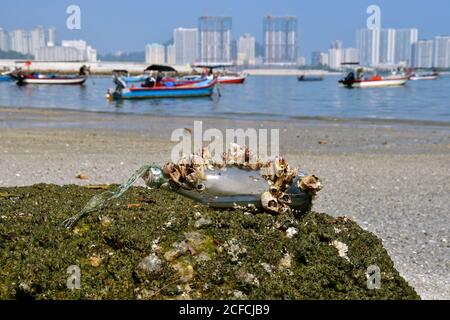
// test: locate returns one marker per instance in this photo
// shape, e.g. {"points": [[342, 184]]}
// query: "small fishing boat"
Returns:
{"points": [[303, 77], [222, 76], [23, 78], [229, 79], [424, 76], [50, 79], [122, 91], [222, 79], [376, 81]]}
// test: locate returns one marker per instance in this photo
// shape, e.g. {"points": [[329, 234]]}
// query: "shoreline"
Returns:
{"points": [[392, 178], [6, 111]]}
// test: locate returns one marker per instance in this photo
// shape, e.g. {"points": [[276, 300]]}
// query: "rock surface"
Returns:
{"points": [[159, 250]]}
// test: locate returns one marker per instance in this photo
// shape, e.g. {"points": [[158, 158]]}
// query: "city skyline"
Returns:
{"points": [[101, 29]]}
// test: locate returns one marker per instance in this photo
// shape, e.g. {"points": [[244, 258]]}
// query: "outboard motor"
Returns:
{"points": [[348, 80], [20, 77], [120, 85]]}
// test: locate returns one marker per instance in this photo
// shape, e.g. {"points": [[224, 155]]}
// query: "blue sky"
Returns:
{"points": [[129, 25]]}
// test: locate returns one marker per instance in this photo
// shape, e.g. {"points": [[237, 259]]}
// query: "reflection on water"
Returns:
{"points": [[259, 97]]}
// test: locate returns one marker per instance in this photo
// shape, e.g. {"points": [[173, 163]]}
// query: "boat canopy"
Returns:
{"points": [[212, 66], [160, 68]]}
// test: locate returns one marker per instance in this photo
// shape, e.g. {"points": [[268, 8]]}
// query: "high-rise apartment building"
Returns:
{"points": [[337, 44], [155, 54], [51, 40], [442, 52], [280, 40], [368, 45], [20, 41], [246, 50], [4, 40], [171, 54], [387, 46], [37, 39], [422, 54], [404, 40], [186, 45], [214, 39]]}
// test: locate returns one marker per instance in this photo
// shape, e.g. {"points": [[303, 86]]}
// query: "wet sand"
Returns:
{"points": [[392, 177]]}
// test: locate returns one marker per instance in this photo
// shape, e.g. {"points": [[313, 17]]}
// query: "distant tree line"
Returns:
{"points": [[123, 57], [14, 55]]}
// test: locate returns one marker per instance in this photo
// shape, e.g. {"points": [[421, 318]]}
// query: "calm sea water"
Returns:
{"points": [[258, 98]]}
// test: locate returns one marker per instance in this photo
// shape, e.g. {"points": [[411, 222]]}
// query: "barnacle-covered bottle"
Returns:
{"points": [[237, 182], [234, 186]]}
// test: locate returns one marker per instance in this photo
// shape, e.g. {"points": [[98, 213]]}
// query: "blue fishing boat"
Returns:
{"points": [[200, 89]]}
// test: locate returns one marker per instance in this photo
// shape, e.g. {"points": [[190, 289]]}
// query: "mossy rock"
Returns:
{"points": [[233, 255]]}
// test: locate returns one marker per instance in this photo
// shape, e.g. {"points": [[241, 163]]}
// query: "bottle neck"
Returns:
{"points": [[154, 178]]}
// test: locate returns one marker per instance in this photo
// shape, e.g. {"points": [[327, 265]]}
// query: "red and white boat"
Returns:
{"points": [[232, 79], [373, 82], [223, 77]]}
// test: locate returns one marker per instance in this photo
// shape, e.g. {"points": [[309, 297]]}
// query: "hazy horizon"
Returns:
{"points": [[129, 27]]}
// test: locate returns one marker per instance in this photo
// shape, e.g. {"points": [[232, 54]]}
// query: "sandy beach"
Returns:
{"points": [[393, 178]]}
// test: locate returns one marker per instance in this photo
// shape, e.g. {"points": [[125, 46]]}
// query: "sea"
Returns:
{"points": [[261, 97]]}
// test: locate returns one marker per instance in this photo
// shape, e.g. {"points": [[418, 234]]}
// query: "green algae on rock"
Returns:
{"points": [[170, 247]]}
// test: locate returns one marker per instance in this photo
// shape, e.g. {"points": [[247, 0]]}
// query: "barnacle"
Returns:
{"points": [[269, 202], [310, 184]]}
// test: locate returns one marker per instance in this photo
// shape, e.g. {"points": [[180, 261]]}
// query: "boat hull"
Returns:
{"points": [[309, 78], [53, 81], [386, 82], [417, 78], [5, 78], [231, 80], [197, 90]]}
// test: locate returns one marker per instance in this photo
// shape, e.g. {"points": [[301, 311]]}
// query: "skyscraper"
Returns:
{"points": [[246, 50], [214, 39], [171, 54], [442, 52], [422, 54], [186, 45], [4, 40], [350, 55], [37, 39], [335, 58], [368, 45], [51, 42], [324, 59], [280, 40], [155, 53], [315, 58], [387, 46], [20, 41], [404, 40], [337, 44]]}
